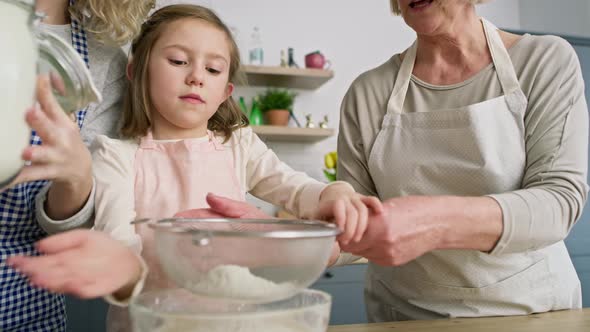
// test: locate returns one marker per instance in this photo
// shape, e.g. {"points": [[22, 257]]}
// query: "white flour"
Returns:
{"points": [[237, 282]]}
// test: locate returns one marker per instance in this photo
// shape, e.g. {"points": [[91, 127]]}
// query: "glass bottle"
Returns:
{"points": [[256, 52], [256, 113], [243, 106]]}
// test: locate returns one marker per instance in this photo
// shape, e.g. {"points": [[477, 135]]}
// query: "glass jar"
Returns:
{"points": [[27, 51]]}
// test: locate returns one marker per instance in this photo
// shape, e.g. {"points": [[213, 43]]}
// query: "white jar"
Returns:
{"points": [[23, 52], [18, 59]]}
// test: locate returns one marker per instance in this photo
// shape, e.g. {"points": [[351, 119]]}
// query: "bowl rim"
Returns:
{"points": [[317, 228], [136, 305]]}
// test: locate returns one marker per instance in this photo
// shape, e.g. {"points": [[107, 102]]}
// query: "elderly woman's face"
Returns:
{"points": [[428, 16]]}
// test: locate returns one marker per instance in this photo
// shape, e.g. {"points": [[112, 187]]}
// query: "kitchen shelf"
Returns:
{"points": [[293, 134], [285, 77]]}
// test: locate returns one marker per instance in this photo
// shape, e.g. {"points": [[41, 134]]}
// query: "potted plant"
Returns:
{"points": [[276, 105]]}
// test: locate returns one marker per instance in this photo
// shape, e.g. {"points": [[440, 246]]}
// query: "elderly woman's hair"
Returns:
{"points": [[395, 5]]}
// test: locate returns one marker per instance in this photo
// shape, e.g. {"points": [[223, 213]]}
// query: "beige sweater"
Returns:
{"points": [[554, 188], [259, 172]]}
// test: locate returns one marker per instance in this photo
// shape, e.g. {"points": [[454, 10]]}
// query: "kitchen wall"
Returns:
{"points": [[355, 35], [573, 16]]}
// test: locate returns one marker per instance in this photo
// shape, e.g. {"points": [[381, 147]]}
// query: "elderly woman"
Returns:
{"points": [[477, 140]]}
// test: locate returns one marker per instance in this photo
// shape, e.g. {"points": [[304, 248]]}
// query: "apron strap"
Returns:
{"points": [[216, 143], [147, 142], [500, 58], [402, 81]]}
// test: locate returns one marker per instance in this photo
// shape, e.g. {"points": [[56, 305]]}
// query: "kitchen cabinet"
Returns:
{"points": [[86, 315], [346, 285], [578, 241]]}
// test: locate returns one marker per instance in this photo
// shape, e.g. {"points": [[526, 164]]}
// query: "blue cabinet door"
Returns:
{"points": [[87, 316], [346, 285], [578, 242]]}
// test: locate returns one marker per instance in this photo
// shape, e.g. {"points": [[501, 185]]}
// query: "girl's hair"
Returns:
{"points": [[111, 21], [138, 106], [396, 10]]}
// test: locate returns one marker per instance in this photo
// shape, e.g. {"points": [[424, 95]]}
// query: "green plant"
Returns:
{"points": [[276, 99]]}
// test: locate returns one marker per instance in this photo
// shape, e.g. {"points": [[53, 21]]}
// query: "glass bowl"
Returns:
{"points": [[179, 310], [245, 260]]}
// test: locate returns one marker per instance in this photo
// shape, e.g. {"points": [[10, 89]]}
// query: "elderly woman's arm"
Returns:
{"points": [[411, 225], [553, 193], [554, 188]]}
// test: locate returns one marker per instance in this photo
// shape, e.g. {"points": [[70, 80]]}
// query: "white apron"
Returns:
{"points": [[169, 178], [473, 150]]}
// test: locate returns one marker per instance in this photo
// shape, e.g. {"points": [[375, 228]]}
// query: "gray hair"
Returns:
{"points": [[395, 5]]}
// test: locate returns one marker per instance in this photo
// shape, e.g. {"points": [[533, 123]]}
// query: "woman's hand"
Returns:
{"points": [[399, 234], [347, 209], [83, 263], [414, 225], [63, 157], [335, 254]]}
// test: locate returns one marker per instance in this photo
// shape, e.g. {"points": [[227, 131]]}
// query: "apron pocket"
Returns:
{"points": [[528, 291]]}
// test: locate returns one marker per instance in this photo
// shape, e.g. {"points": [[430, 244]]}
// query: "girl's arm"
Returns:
{"points": [[272, 180]]}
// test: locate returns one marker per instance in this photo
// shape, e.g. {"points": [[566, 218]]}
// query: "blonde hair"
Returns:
{"points": [[138, 106], [111, 21], [396, 10]]}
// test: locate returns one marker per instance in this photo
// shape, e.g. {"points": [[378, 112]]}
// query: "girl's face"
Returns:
{"points": [[188, 78]]}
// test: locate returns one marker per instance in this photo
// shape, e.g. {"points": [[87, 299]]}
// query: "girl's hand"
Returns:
{"points": [[63, 157], [335, 254], [83, 263], [349, 210], [222, 207]]}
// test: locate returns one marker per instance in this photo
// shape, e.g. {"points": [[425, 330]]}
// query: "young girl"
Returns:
{"points": [[95, 28], [185, 137]]}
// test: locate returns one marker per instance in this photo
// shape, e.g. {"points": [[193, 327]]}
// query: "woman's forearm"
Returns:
{"points": [[466, 222], [65, 199]]}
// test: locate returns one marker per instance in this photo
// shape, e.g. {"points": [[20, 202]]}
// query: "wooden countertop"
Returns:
{"points": [[559, 321]]}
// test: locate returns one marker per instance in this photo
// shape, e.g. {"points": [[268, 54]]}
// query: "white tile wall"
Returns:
{"points": [[355, 35]]}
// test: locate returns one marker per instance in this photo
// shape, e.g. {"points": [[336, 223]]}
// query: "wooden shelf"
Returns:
{"points": [[292, 134], [284, 77]]}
